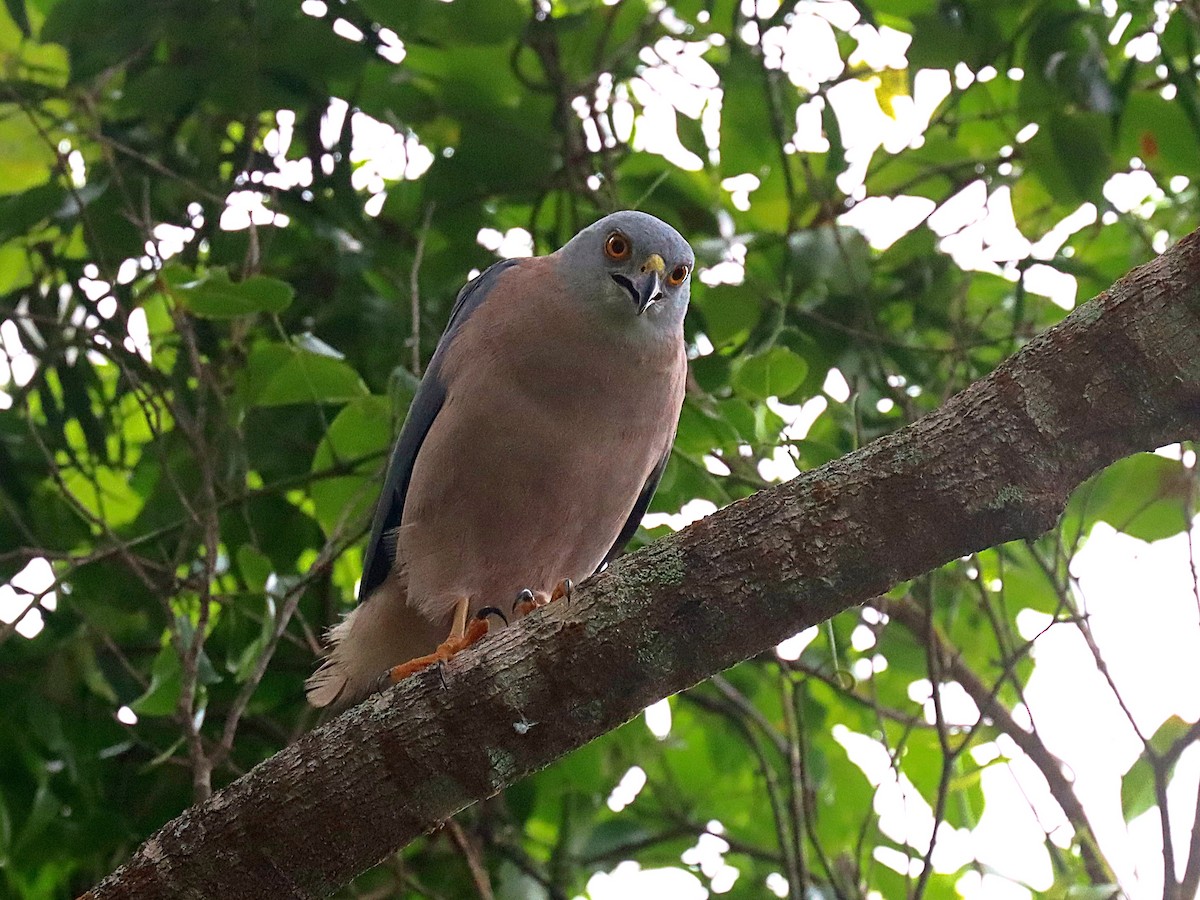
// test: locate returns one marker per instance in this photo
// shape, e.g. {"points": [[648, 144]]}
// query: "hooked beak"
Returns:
{"points": [[646, 288]]}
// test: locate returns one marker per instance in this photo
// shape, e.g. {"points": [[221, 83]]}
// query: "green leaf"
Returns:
{"points": [[5, 832], [612, 835], [1137, 784], [25, 158], [829, 260], [244, 664], [93, 675], [1169, 733], [1158, 132], [26, 59], [280, 374], [105, 492], [956, 32], [20, 17], [1070, 156], [14, 268], [1026, 585], [1144, 496], [214, 296], [1137, 789], [21, 213], [402, 388], [730, 313], [205, 672], [745, 116], [1083, 892], [166, 683], [775, 373], [361, 433], [254, 565], [45, 809]]}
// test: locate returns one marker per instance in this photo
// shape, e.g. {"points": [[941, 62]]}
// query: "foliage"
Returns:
{"points": [[201, 399]]}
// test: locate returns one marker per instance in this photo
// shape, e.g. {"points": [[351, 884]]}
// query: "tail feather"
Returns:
{"points": [[378, 634]]}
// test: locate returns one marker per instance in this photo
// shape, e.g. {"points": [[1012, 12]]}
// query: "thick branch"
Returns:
{"points": [[995, 463]]}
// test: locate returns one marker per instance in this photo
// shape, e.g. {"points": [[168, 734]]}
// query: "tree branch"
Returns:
{"points": [[994, 464], [912, 617]]}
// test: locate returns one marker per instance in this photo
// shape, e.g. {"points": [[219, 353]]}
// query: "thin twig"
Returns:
{"points": [[771, 779], [1170, 884], [750, 711], [414, 288], [195, 432], [287, 608], [1189, 885], [796, 783], [933, 661], [908, 614], [474, 860], [799, 731]]}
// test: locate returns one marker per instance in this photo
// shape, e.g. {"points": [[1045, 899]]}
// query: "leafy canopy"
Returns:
{"points": [[230, 234]]}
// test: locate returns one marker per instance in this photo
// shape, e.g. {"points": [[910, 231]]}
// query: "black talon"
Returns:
{"points": [[441, 670], [526, 596], [492, 611], [568, 589]]}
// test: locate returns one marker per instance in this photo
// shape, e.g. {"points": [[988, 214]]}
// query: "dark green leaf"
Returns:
{"points": [[1144, 496], [214, 296], [279, 374], [777, 372]]}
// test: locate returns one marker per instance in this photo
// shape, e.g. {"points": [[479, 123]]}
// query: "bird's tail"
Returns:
{"points": [[381, 632]]}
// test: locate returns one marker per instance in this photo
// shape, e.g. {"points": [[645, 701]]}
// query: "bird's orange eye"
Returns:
{"points": [[617, 246], [678, 274]]}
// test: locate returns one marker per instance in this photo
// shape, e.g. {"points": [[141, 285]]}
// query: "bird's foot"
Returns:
{"points": [[526, 602], [475, 631], [563, 591]]}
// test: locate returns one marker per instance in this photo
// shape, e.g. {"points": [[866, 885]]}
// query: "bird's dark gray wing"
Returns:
{"points": [[426, 404], [639, 507]]}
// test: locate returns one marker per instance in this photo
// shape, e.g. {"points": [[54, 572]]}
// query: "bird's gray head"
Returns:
{"points": [[634, 265]]}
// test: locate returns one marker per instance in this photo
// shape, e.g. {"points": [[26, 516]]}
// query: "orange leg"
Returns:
{"points": [[462, 635]]}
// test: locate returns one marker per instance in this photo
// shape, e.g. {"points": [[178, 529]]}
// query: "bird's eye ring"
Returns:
{"points": [[678, 274], [617, 246]]}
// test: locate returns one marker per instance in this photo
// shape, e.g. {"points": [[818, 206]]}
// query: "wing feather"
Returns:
{"points": [[426, 404], [639, 507]]}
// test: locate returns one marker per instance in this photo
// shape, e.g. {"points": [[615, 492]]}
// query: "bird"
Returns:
{"points": [[530, 451]]}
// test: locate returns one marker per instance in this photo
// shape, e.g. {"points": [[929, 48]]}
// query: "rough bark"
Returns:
{"points": [[995, 463]]}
